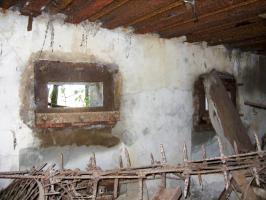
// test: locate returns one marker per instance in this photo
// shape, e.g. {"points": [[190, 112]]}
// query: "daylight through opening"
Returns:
{"points": [[75, 95]]}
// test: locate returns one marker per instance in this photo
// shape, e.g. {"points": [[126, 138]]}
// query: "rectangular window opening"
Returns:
{"points": [[75, 95], [201, 118]]}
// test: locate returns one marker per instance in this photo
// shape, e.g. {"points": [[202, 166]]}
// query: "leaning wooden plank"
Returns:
{"points": [[223, 114]]}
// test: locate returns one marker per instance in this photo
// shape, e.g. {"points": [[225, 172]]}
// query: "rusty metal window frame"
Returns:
{"points": [[66, 72]]}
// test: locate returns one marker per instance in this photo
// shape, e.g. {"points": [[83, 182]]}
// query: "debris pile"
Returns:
{"points": [[47, 182]]}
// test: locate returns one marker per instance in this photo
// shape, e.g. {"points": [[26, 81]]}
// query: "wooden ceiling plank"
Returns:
{"points": [[73, 7], [87, 10], [5, 4], [258, 49], [246, 8], [108, 9], [202, 34], [261, 45], [239, 33], [249, 42], [158, 21], [235, 39], [58, 6], [181, 14], [156, 12], [131, 11]]}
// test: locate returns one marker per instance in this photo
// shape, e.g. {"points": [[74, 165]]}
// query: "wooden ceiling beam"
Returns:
{"points": [[259, 49], [248, 42], [73, 7], [258, 46], [131, 11], [58, 6], [206, 33], [238, 33], [247, 8], [108, 9], [86, 10], [156, 12], [5, 4], [182, 13]]}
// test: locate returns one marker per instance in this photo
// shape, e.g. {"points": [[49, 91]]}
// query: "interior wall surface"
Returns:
{"points": [[156, 99]]}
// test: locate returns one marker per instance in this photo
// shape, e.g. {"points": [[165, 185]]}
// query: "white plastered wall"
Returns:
{"points": [[156, 102]]}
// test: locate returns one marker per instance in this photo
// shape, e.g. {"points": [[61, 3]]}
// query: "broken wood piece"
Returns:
{"points": [[127, 157], [244, 186], [95, 182], [227, 192], [185, 155], [120, 162], [62, 161], [116, 185], [92, 164], [186, 185], [256, 175], [226, 180], [203, 151], [164, 161], [30, 21], [140, 196], [152, 159], [256, 140], [168, 194], [200, 181], [236, 148], [95, 189], [221, 149], [163, 180]]}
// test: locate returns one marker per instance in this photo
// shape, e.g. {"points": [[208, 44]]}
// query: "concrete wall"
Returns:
{"points": [[156, 102]]}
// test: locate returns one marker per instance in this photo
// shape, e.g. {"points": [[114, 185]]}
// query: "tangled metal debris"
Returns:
{"points": [[47, 182]]}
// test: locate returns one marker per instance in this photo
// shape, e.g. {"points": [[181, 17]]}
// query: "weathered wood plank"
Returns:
{"points": [[220, 16], [46, 120], [168, 193], [86, 10], [225, 113]]}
